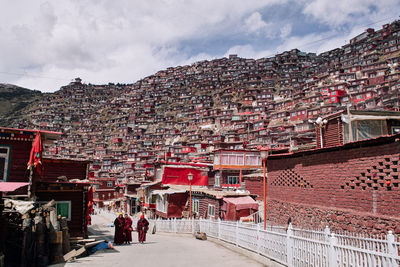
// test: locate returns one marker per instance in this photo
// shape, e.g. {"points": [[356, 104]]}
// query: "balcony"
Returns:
{"points": [[237, 159]]}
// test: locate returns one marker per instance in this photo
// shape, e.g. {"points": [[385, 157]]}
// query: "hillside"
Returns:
{"points": [[14, 100], [186, 112]]}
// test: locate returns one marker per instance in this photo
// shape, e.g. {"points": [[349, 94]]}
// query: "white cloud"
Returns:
{"points": [[52, 42], [248, 51], [254, 23], [339, 12], [285, 31], [107, 40]]}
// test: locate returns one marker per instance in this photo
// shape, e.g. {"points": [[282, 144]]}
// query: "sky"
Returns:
{"points": [[46, 44]]}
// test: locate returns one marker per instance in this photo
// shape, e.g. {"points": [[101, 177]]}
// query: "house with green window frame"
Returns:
{"points": [[70, 192]]}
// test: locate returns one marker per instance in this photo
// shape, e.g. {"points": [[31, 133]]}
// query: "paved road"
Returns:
{"points": [[161, 250]]}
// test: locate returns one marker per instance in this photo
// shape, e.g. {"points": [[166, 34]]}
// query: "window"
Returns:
{"points": [[217, 180], [211, 210], [109, 183], [253, 159], [233, 179], [395, 129], [195, 205], [4, 163], [162, 203], [64, 209]]}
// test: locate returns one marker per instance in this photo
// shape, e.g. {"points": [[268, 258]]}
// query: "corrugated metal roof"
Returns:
{"points": [[10, 186]]}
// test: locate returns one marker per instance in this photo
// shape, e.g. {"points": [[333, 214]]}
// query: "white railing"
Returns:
{"points": [[295, 247], [253, 218]]}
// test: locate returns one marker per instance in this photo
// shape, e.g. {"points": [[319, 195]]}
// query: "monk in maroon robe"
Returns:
{"points": [[119, 237], [128, 229], [142, 227]]}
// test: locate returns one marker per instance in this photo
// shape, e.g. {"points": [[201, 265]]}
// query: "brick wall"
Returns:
{"points": [[204, 201], [255, 186], [358, 183]]}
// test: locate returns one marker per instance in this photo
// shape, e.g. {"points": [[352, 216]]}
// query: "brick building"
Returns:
{"points": [[353, 187]]}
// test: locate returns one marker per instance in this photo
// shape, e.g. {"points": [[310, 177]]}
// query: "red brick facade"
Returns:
{"points": [[353, 187], [204, 201], [255, 186]]}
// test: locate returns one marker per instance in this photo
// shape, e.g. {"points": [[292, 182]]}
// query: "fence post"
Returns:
{"points": [[175, 226], [289, 246], [332, 250], [327, 232], [258, 238], [237, 233], [391, 249], [219, 228]]}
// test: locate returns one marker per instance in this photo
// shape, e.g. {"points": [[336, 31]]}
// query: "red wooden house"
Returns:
{"points": [[342, 128], [54, 181]]}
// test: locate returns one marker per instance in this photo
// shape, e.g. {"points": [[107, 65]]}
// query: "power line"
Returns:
{"points": [[334, 35]]}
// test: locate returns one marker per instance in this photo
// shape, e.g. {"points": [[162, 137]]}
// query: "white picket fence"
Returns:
{"points": [[295, 247]]}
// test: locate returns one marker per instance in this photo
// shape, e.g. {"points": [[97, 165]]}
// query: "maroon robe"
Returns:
{"points": [[119, 237], [128, 229], [142, 227]]}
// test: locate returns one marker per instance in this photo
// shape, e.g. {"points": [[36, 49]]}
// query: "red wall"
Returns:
{"points": [[255, 186], [19, 159], [77, 226], [53, 168], [176, 204], [337, 186], [332, 133], [179, 176], [203, 206]]}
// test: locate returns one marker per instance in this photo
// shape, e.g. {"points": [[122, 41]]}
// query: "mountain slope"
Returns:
{"points": [[14, 100]]}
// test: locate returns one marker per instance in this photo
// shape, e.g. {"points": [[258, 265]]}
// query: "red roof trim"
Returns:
{"points": [[30, 130]]}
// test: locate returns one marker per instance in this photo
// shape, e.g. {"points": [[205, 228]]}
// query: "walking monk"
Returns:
{"points": [[119, 222], [142, 227], [128, 229]]}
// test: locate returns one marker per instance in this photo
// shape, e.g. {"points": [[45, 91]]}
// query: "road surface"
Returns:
{"points": [[161, 250]]}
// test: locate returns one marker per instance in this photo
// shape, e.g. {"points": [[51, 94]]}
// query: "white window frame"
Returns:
{"points": [[195, 205], [7, 157], [109, 183], [217, 179], [211, 210], [162, 203]]}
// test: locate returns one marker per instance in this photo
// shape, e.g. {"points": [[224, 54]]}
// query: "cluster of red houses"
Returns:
{"points": [[209, 119]]}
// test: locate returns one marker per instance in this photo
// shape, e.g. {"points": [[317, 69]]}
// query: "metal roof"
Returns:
{"points": [[10, 186]]}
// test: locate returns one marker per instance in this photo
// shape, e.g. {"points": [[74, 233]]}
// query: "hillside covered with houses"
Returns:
{"points": [[184, 114]]}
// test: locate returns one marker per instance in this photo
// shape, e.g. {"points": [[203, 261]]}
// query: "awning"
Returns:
{"points": [[241, 203], [10, 186]]}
